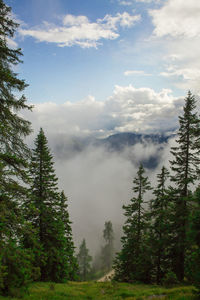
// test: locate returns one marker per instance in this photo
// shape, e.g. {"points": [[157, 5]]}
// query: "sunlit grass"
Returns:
{"points": [[104, 290]]}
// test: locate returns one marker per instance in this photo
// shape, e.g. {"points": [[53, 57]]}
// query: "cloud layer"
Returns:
{"points": [[78, 30], [127, 109], [176, 25]]}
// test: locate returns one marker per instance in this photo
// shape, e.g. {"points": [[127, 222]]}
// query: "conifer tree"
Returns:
{"points": [[84, 261], [160, 211], [132, 263], [47, 211], [185, 169], [69, 255], [14, 155], [108, 249], [193, 239]]}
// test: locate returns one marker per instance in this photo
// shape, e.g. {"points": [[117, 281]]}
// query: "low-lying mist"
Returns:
{"points": [[98, 182]]}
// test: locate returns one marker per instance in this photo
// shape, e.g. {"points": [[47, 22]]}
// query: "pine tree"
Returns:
{"points": [[47, 211], [14, 260], [185, 170], [160, 237], [108, 249], [69, 255], [193, 239], [132, 263], [84, 261]]}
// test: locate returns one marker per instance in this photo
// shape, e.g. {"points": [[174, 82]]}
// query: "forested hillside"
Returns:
{"points": [[161, 236]]}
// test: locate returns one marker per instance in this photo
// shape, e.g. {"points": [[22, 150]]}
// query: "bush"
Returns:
{"points": [[169, 279], [16, 269]]}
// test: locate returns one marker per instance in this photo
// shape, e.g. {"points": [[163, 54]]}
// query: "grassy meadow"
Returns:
{"points": [[101, 290]]}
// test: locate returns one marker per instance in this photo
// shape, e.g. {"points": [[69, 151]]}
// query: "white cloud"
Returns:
{"points": [[124, 20], [177, 19], [78, 30], [177, 26], [126, 3], [130, 2], [136, 72], [148, 1], [128, 109]]}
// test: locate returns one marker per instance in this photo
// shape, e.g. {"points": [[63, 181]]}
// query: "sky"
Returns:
{"points": [[76, 48], [99, 67], [108, 65]]}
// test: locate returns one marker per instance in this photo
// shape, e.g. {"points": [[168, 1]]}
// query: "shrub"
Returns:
{"points": [[169, 279]]}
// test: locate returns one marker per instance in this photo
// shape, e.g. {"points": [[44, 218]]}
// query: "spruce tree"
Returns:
{"points": [[185, 169], [84, 261], [132, 263], [160, 237], [15, 262], [108, 249], [193, 239], [69, 255], [47, 211]]}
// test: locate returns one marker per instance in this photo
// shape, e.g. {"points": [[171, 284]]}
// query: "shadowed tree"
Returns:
{"points": [[185, 167], [47, 211], [160, 236], [14, 155], [108, 250], [84, 261], [132, 263]]}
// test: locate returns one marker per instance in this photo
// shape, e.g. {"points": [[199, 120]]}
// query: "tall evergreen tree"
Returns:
{"points": [[160, 237], [108, 249], [69, 255], [13, 159], [193, 239], [185, 168], [132, 263], [47, 211], [84, 261]]}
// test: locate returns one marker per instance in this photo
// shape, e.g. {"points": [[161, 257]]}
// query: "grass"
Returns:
{"points": [[103, 290]]}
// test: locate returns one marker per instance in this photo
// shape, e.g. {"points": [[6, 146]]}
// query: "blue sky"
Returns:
{"points": [[116, 52], [71, 73]]}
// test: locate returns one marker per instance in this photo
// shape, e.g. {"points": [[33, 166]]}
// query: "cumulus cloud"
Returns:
{"points": [[78, 30], [127, 109], [177, 19], [124, 2], [177, 25], [135, 72]]}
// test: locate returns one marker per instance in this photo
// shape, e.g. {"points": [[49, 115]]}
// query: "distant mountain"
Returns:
{"points": [[118, 141], [115, 143]]}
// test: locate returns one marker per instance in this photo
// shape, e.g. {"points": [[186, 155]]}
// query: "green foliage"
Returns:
{"points": [[84, 261], [107, 252], [47, 210], [185, 169], [69, 249], [105, 291], [16, 268], [160, 239], [15, 262], [133, 262], [169, 279], [193, 238]]}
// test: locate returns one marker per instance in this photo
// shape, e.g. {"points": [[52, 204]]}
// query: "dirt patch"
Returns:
{"points": [[107, 277]]}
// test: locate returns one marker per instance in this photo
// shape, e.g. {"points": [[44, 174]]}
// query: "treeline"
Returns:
{"points": [[94, 268], [35, 231], [161, 241]]}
